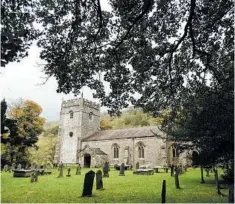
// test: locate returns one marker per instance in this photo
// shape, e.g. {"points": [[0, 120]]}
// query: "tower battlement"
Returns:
{"points": [[80, 102]]}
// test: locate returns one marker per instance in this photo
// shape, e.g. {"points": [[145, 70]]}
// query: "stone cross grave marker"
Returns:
{"points": [[68, 175], [99, 182], [137, 166], [106, 169], [78, 171], [88, 183], [122, 170]]}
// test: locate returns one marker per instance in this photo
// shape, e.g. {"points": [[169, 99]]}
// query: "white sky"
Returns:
{"points": [[22, 80]]}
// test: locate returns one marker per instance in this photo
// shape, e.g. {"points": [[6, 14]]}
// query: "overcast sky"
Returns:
{"points": [[22, 80]]}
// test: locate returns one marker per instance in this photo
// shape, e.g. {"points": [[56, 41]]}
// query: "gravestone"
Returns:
{"points": [[19, 167], [106, 169], [122, 170], [61, 167], [27, 166], [78, 171], [68, 175], [164, 191], [44, 166], [13, 166], [137, 166], [207, 172], [172, 170], [177, 183], [34, 177], [6, 168], [99, 182], [88, 183]]}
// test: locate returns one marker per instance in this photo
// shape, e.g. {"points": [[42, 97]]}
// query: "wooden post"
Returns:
{"points": [[202, 177], [164, 191]]}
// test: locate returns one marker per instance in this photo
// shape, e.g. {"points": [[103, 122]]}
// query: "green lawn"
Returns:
{"points": [[118, 189]]}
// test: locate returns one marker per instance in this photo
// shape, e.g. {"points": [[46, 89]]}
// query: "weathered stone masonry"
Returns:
{"points": [[80, 140]]}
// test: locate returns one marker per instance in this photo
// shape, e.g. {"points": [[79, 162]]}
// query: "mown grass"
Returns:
{"points": [[117, 189]]}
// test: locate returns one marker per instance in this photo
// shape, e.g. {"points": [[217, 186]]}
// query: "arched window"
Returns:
{"points": [[141, 150], [90, 115], [71, 134], [71, 114], [115, 150]]}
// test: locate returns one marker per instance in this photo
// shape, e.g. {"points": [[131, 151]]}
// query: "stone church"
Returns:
{"points": [[80, 140]]}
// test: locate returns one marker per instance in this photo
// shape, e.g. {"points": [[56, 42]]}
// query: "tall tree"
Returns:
{"points": [[30, 125]]}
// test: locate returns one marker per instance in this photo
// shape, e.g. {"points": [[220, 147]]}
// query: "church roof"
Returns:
{"points": [[148, 131]]}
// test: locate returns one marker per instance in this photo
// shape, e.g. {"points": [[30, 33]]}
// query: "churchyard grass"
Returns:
{"points": [[120, 189]]}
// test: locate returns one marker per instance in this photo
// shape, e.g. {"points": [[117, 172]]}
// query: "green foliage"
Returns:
{"points": [[118, 189], [17, 29], [129, 118], [46, 146], [28, 125]]}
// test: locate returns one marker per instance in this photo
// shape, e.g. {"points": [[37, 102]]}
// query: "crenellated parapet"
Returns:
{"points": [[80, 102]]}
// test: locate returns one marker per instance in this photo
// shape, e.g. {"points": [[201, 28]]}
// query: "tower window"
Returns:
{"points": [[71, 134], [71, 114], [90, 115]]}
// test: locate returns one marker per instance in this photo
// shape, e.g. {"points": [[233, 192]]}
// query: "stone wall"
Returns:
{"points": [[154, 150]]}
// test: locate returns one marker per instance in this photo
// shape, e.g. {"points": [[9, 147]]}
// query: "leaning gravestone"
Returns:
{"points": [[122, 170], [19, 167], [88, 183], [106, 169], [137, 166], [6, 168], [99, 182], [78, 171], [68, 175]]}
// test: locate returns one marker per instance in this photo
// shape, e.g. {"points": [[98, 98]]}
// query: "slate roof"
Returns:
{"points": [[125, 133], [98, 151]]}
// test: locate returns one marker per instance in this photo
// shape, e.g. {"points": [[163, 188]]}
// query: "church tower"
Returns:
{"points": [[79, 118]]}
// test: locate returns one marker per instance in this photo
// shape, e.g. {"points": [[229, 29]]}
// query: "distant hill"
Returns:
{"points": [[50, 124]]}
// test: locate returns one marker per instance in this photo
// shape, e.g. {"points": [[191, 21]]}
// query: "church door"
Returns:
{"points": [[87, 160]]}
